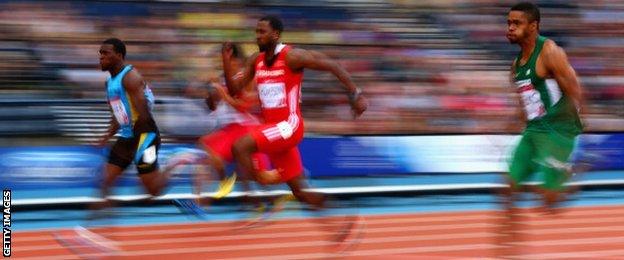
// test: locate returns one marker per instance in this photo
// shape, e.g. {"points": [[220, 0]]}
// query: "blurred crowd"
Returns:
{"points": [[427, 67]]}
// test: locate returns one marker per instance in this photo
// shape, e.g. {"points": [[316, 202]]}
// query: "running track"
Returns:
{"points": [[588, 232]]}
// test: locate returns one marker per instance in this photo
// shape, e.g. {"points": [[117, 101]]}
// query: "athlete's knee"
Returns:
{"points": [[244, 146], [299, 194]]}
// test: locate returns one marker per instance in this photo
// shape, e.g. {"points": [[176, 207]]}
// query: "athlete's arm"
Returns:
{"points": [[298, 59], [135, 85], [113, 126], [558, 66], [242, 104], [235, 80]]}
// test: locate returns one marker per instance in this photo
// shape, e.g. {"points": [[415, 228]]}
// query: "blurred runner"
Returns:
{"points": [[551, 96], [131, 101], [278, 72], [235, 118]]}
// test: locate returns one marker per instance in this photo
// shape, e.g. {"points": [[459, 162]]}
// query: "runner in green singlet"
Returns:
{"points": [[550, 95]]}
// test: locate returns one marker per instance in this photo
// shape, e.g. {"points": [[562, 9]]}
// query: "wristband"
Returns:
{"points": [[355, 95]]}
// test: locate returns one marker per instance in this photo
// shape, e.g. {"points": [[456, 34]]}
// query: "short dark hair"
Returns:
{"points": [[274, 21], [118, 46], [530, 9]]}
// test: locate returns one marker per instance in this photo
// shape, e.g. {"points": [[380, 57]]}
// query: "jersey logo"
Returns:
{"points": [[528, 72], [270, 73]]}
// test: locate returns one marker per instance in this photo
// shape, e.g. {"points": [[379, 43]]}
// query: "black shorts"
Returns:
{"points": [[141, 149]]}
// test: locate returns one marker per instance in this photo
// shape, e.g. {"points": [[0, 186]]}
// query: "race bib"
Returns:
{"points": [[272, 95], [119, 110], [531, 99]]}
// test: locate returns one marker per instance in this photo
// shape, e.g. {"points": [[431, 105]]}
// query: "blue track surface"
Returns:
{"points": [[366, 205], [321, 183]]}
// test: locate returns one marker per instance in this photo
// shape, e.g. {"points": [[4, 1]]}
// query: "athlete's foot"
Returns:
{"points": [[280, 203], [553, 203], [189, 206], [226, 186], [87, 244], [258, 215], [348, 233]]}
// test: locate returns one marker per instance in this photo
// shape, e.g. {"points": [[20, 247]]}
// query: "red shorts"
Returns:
{"points": [[282, 152], [221, 141]]}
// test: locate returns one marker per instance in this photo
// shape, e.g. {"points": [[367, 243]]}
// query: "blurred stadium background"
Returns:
{"points": [[429, 67]]}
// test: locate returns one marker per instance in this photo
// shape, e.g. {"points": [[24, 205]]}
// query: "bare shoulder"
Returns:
{"points": [[551, 49], [296, 53], [133, 78], [298, 59]]}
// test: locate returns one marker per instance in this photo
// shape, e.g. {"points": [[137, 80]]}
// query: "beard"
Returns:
{"points": [[513, 40], [262, 47]]}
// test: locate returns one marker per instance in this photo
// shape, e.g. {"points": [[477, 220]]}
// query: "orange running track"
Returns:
{"points": [[576, 233]]}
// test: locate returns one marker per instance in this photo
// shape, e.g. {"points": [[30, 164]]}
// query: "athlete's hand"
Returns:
{"points": [[268, 177], [358, 106], [101, 143], [221, 90], [227, 50]]}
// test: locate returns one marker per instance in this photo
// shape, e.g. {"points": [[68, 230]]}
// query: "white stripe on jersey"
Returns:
{"points": [[554, 92], [293, 119]]}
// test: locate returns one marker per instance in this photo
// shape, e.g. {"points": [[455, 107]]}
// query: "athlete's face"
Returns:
{"points": [[265, 35], [108, 57], [518, 26]]}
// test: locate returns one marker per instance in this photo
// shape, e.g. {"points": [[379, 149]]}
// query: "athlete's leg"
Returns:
{"points": [[314, 199], [111, 174], [119, 158], [521, 169], [218, 147], [554, 152], [242, 151], [146, 160]]}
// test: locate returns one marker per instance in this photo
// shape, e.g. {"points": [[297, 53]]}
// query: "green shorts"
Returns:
{"points": [[544, 153]]}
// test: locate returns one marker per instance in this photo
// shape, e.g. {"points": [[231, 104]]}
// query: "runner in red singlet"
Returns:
{"points": [[234, 120], [278, 71]]}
